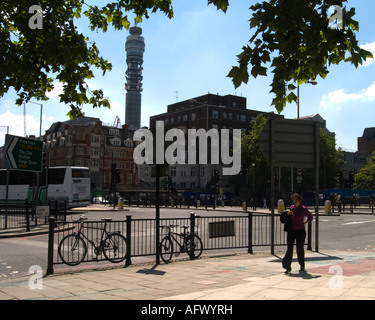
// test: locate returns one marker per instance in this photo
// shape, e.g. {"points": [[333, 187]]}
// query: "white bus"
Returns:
{"points": [[71, 184]]}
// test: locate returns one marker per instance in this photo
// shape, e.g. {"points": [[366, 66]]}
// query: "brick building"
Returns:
{"points": [[89, 143], [366, 143]]}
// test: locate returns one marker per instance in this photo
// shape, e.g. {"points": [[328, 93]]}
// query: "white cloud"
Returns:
{"points": [[57, 90], [16, 124], [369, 47], [339, 97]]}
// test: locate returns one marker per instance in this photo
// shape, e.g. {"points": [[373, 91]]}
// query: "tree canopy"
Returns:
{"points": [[299, 41], [292, 37]]}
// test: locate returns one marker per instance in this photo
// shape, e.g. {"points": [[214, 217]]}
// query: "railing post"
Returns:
{"points": [[56, 210], [128, 260], [309, 236], [192, 230], [65, 211], [250, 233], [51, 236], [27, 216]]}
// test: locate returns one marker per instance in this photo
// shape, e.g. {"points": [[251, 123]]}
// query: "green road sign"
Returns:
{"points": [[23, 153]]}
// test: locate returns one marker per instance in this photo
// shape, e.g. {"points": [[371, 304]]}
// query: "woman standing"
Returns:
{"points": [[295, 221]]}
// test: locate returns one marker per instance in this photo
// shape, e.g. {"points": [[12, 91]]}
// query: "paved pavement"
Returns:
{"points": [[334, 275], [330, 275]]}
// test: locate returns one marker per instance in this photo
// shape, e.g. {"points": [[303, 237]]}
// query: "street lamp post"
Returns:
{"points": [[314, 83], [5, 127], [41, 113]]}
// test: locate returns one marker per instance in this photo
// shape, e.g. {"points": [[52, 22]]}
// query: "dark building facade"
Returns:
{"points": [[207, 112]]}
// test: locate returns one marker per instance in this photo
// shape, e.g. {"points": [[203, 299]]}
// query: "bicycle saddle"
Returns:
{"points": [[106, 219]]}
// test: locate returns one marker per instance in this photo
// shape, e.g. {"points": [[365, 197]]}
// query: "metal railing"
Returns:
{"points": [[15, 216], [225, 232], [22, 215]]}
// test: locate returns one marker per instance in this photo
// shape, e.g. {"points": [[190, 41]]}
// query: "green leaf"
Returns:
{"points": [[238, 76], [220, 4], [291, 97]]}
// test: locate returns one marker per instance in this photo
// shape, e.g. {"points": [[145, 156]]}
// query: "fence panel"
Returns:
{"points": [[216, 232], [14, 216], [92, 234]]}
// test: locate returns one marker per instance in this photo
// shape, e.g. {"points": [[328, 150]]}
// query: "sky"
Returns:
{"points": [[191, 55]]}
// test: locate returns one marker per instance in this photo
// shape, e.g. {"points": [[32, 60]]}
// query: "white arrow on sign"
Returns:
{"points": [[9, 152]]}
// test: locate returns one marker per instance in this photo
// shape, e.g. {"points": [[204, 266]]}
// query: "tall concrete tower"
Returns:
{"points": [[135, 47]]}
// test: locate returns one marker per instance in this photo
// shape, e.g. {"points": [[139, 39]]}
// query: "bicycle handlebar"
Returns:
{"points": [[81, 218], [170, 226]]}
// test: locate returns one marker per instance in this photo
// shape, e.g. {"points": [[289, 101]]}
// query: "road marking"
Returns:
{"points": [[357, 222]]}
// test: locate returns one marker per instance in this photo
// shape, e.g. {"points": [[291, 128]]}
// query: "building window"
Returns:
{"points": [[183, 171], [95, 139], [173, 171], [192, 172], [202, 172], [193, 116], [114, 132], [243, 117], [215, 114], [129, 178]]}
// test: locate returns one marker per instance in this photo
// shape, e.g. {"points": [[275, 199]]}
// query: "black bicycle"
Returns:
{"points": [[73, 248], [191, 243]]}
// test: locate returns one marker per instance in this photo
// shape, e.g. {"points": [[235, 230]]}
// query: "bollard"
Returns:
{"points": [[280, 205], [327, 206], [120, 203], [244, 207]]}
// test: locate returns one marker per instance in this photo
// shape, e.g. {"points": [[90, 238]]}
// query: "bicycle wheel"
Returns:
{"points": [[72, 249], [115, 247], [195, 247], [166, 249]]}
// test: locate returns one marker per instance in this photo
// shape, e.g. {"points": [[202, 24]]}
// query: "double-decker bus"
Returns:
{"points": [[70, 184]]}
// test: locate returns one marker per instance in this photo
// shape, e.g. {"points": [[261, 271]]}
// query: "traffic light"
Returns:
{"points": [[113, 174], [45, 160], [170, 183], [216, 177], [351, 179], [339, 179], [118, 176]]}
